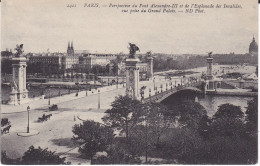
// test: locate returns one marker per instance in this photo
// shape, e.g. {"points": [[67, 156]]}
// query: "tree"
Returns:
{"points": [[251, 116], [154, 116], [35, 156], [117, 154], [6, 66], [8, 161], [230, 111], [183, 145], [41, 156], [120, 115], [190, 114], [227, 121], [96, 137]]}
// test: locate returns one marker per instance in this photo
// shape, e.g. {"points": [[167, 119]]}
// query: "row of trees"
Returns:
{"points": [[55, 69], [181, 63], [184, 134], [235, 58], [162, 62], [35, 156]]}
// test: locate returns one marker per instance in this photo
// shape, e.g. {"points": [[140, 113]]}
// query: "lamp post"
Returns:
{"points": [[59, 91], [154, 83], [150, 94], [123, 81], [142, 95], [49, 95], [86, 89], [117, 81], [28, 109], [98, 99]]}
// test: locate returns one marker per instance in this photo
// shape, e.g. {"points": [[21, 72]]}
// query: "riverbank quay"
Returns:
{"points": [[233, 92], [44, 103]]}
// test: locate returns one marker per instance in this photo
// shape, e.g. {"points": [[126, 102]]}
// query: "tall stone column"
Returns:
{"points": [[132, 78], [19, 93], [210, 80], [150, 67], [209, 68]]}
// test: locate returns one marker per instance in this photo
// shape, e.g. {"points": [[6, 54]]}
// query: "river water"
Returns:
{"points": [[211, 103], [35, 91]]}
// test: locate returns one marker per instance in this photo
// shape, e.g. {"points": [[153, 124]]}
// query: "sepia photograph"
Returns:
{"points": [[129, 82]]}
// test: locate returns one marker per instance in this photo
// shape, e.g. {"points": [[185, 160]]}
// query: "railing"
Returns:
{"points": [[157, 97]]}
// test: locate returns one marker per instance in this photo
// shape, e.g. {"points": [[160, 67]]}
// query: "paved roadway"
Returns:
{"points": [[56, 133]]}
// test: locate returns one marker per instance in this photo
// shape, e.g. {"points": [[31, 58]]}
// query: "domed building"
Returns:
{"points": [[253, 47]]}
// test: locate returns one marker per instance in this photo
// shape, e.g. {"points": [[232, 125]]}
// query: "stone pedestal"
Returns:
{"points": [[132, 78], [13, 98], [150, 67], [19, 94], [209, 68]]}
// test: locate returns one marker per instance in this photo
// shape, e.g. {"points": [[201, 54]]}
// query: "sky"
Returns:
{"points": [[49, 24]]}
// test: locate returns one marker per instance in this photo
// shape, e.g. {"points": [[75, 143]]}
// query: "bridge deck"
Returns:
{"points": [[158, 97]]}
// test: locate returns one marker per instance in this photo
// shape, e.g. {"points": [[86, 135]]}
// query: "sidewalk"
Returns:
{"points": [[87, 99], [43, 103]]}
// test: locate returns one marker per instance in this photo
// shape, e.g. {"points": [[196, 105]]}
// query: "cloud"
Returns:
{"points": [[43, 24]]}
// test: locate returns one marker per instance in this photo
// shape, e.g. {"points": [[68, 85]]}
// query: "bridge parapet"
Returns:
{"points": [[160, 96]]}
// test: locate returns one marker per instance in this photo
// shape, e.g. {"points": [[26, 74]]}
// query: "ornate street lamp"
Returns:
{"points": [[98, 99], [28, 110], [154, 83], [142, 94], [49, 96], [117, 81]]}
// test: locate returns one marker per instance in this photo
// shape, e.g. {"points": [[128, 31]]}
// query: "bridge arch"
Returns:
{"points": [[185, 93]]}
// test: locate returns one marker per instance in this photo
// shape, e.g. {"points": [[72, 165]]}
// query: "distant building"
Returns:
{"points": [[250, 76], [70, 49], [143, 69], [6, 54], [96, 59], [253, 47], [67, 62], [45, 60], [45, 64], [70, 59]]}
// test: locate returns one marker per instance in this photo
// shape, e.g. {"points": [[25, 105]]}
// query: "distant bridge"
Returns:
{"points": [[160, 96]]}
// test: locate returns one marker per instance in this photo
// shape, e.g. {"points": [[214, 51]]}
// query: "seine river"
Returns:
{"points": [[209, 102], [37, 91]]}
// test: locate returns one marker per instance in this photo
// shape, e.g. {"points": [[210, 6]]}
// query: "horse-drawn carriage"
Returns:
{"points": [[44, 118], [5, 125], [54, 107]]}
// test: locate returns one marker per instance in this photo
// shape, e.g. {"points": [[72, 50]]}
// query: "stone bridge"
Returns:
{"points": [[160, 96]]}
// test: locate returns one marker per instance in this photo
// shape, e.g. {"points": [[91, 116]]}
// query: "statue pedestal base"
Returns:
{"points": [[17, 98], [13, 98], [132, 78]]}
